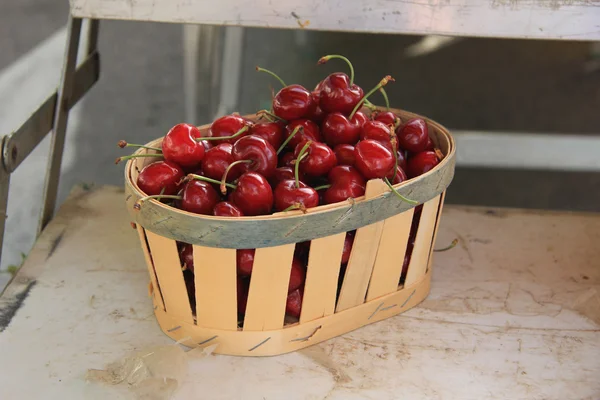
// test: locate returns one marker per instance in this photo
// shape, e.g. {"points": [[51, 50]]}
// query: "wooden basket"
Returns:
{"points": [[369, 292]]}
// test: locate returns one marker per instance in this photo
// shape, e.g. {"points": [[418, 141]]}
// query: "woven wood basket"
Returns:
{"points": [[369, 291]]}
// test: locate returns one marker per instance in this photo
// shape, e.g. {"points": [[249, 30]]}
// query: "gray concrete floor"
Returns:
{"points": [[475, 84]]}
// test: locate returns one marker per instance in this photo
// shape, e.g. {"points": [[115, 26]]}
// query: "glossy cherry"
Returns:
{"points": [[338, 93], [315, 112], [227, 209], [283, 173], [414, 135], [401, 159], [293, 304], [181, 147], [272, 132], [319, 161], [339, 129], [253, 194], [420, 163], [186, 256], [245, 261], [216, 162], [288, 195], [229, 125], [160, 177], [309, 131], [387, 117], [287, 159], [262, 156], [292, 102], [399, 177], [344, 154], [297, 275], [373, 159], [379, 132], [348, 242], [346, 182], [199, 197]]}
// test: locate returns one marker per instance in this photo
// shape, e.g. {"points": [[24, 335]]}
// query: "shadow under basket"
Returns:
{"points": [[334, 301]]}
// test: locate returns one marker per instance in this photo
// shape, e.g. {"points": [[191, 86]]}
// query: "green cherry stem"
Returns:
{"points": [[223, 183], [122, 144], [238, 133], [118, 160], [385, 98], [190, 177], [138, 204], [286, 141], [301, 156], [370, 105], [270, 114], [295, 206], [322, 187], [409, 201], [381, 84], [324, 59], [450, 246], [273, 74]]}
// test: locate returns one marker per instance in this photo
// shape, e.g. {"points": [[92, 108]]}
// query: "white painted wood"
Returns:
{"points": [[513, 313], [552, 19]]}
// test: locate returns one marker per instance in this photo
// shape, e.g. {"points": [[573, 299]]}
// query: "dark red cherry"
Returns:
{"points": [[253, 194], [373, 159], [400, 175], [216, 162], [160, 177], [387, 117], [301, 250], [401, 159], [414, 135], [286, 160], [245, 261], [283, 173], [338, 129], [229, 125], [346, 182], [297, 275], [344, 154], [420, 163], [319, 161], [348, 242], [315, 113], [227, 209], [309, 131], [262, 155], [379, 132], [338, 94], [287, 195], [272, 132], [199, 197], [180, 146], [186, 256], [293, 304], [292, 102]]}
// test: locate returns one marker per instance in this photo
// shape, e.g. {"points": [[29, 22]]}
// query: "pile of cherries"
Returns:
{"points": [[312, 148]]}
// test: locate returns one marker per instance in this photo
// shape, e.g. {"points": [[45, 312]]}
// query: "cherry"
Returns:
{"points": [[287, 159], [272, 132], [309, 131], [293, 304], [253, 194], [315, 112], [291, 102], [387, 117], [199, 197], [243, 286], [297, 275], [399, 177], [245, 261], [401, 159], [339, 129], [320, 159], [217, 160], [344, 154], [414, 135], [180, 146], [420, 163], [160, 177], [287, 194], [302, 249], [373, 159], [229, 125], [346, 182], [283, 173], [379, 132], [406, 262], [258, 155], [348, 242], [338, 93], [227, 209], [186, 256]]}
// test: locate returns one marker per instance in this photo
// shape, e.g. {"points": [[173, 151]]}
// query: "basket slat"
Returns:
{"points": [[156, 294], [420, 255], [390, 256], [268, 288], [216, 287], [320, 288], [435, 230], [170, 276], [362, 257]]}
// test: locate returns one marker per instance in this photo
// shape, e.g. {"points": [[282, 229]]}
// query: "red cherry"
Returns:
{"points": [[344, 154], [414, 135], [228, 125], [338, 129], [199, 197], [286, 160], [186, 256], [297, 275], [373, 159], [387, 117], [283, 173], [346, 182], [293, 304], [309, 131], [160, 177], [262, 155], [338, 94], [400, 175], [315, 113], [319, 161], [406, 262], [216, 162], [253, 194], [226, 209], [180, 146], [272, 132], [348, 242], [401, 158], [379, 132], [420, 163], [245, 261], [292, 102], [243, 286], [287, 195]]}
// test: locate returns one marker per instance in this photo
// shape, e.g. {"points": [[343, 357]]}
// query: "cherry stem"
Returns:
{"points": [[209, 180], [238, 133], [385, 98], [397, 122], [370, 105], [295, 206], [270, 114], [122, 144], [438, 154], [450, 246], [223, 183], [118, 160], [322, 187], [138, 204], [287, 140], [273, 74], [381, 84], [301, 156], [409, 201], [323, 60]]}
